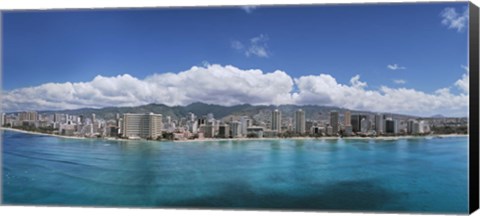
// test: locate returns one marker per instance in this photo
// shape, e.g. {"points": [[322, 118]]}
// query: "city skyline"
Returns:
{"points": [[263, 123], [371, 70]]}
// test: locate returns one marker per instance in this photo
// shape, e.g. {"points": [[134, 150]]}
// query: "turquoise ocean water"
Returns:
{"points": [[406, 175]]}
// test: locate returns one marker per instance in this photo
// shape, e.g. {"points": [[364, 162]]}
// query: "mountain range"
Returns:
{"points": [[317, 112]]}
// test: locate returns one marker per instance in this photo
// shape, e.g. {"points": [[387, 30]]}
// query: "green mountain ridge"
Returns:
{"points": [[318, 112]]}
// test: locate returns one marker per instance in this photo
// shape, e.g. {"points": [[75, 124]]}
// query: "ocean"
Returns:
{"points": [[417, 175]]}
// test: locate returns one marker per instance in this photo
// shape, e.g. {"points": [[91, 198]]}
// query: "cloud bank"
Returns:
{"points": [[229, 85]]}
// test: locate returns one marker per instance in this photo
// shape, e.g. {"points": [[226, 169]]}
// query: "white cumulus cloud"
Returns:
{"points": [[324, 89], [225, 85], [256, 46], [462, 83], [229, 85], [237, 45], [395, 67], [453, 19]]}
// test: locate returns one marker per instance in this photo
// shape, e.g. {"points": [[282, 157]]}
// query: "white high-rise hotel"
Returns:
{"points": [[277, 120], [300, 121], [334, 121], [147, 125]]}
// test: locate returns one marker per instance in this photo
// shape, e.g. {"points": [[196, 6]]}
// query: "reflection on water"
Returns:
{"points": [[406, 175]]}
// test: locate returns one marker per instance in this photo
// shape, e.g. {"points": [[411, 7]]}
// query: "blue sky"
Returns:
{"points": [[342, 41]]}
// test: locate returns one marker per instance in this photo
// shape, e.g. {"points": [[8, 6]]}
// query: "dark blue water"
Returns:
{"points": [[407, 175]]}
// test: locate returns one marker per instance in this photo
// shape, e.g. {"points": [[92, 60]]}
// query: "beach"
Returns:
{"points": [[249, 139], [325, 138], [37, 133]]}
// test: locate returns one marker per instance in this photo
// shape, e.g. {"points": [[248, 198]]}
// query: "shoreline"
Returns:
{"points": [[245, 139], [45, 134], [325, 138]]}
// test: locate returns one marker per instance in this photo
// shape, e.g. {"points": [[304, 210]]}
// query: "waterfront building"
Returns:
{"points": [[244, 124], [300, 121], [347, 118], [309, 126], [208, 130], [356, 122], [147, 125], [412, 126], [235, 129], [67, 129], [379, 123], [365, 125], [29, 116], [290, 124], [193, 126], [423, 127], [391, 126], [416, 128], [329, 130], [334, 122], [277, 120], [255, 131], [223, 131], [316, 130], [347, 130]]}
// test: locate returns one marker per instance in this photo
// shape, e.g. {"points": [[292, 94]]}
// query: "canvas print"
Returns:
{"points": [[351, 108]]}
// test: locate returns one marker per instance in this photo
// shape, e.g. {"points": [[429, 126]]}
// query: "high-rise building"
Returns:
{"points": [[365, 125], [423, 127], [309, 125], [30, 116], [93, 118], [411, 124], [379, 123], [56, 117], [223, 131], [244, 124], [81, 119], [334, 122], [202, 121], [277, 120], [329, 130], [235, 129], [208, 130], [191, 117], [347, 130], [300, 121], [357, 122], [147, 125], [391, 126], [347, 118], [3, 120]]}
